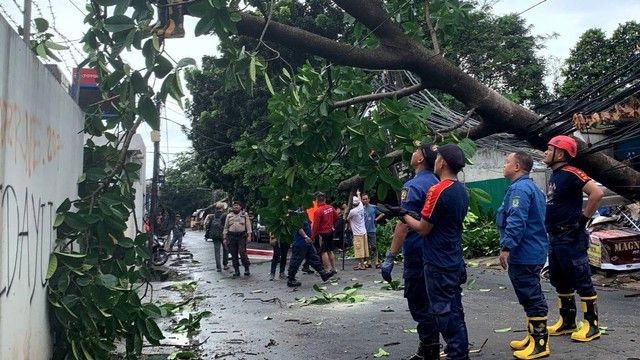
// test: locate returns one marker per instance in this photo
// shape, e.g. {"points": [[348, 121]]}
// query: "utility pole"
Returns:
{"points": [[26, 23], [155, 137]]}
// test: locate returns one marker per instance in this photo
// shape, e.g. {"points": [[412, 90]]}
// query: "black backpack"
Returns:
{"points": [[214, 230]]}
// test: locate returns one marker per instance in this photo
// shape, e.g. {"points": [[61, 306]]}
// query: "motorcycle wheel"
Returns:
{"points": [[159, 257]]}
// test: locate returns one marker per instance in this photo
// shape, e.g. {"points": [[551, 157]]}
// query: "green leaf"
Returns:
{"points": [[252, 69], [235, 17], [163, 67], [268, 82], [148, 111], [54, 46], [53, 265], [470, 283], [41, 51], [381, 352], [59, 220], [204, 26], [118, 23], [42, 25], [503, 330], [184, 62]]}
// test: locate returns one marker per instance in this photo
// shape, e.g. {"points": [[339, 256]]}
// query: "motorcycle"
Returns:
{"points": [[159, 255]]}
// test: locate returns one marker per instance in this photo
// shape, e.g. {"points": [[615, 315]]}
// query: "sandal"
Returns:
{"points": [[359, 268], [377, 266], [368, 266]]}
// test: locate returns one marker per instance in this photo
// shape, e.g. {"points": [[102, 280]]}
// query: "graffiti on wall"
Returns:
{"points": [[32, 145], [28, 230]]}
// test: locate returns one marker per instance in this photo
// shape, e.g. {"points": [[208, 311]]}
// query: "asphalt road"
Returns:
{"points": [[254, 318]]}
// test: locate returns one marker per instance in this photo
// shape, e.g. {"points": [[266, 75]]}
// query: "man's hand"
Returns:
{"points": [[387, 266], [504, 256], [580, 226], [398, 211], [225, 242], [248, 239]]}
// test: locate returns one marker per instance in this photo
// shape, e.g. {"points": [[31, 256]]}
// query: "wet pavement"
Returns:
{"points": [[254, 318]]}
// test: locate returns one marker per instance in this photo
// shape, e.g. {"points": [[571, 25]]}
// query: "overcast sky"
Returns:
{"points": [[568, 18]]}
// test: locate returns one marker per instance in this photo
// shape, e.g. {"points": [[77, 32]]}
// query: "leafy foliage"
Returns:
{"points": [[350, 295], [182, 191], [41, 42], [480, 236], [595, 55]]}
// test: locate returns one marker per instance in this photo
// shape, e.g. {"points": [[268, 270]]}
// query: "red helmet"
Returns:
{"points": [[565, 143]]}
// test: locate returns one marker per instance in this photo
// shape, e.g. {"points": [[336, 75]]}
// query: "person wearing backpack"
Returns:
{"points": [[214, 232]]}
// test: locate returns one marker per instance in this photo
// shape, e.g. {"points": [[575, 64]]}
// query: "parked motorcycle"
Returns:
{"points": [[159, 255]]}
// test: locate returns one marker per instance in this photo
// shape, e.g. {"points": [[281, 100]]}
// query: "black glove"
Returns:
{"points": [[579, 227], [397, 211]]}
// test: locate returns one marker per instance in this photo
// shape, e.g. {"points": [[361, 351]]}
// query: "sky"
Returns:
{"points": [[568, 18]]}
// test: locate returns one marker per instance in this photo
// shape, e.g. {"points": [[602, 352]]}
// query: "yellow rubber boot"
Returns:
{"points": [[566, 324], [590, 330], [538, 346], [521, 344]]}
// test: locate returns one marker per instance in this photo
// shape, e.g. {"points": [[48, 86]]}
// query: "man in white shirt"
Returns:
{"points": [[356, 222]]}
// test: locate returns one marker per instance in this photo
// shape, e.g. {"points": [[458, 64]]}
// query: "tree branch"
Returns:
{"points": [[373, 97], [432, 30], [301, 40], [454, 126]]}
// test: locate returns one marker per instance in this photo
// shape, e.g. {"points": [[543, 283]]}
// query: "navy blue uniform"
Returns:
{"points": [[569, 268], [520, 221], [444, 270], [413, 196], [301, 250]]}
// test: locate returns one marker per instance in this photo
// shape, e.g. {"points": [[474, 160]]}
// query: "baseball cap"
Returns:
{"points": [[452, 155], [356, 201], [430, 152]]}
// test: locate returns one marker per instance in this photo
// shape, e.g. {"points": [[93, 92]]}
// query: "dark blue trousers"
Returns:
{"points": [[300, 253], [416, 294], [280, 252], [526, 283], [569, 268], [444, 292]]}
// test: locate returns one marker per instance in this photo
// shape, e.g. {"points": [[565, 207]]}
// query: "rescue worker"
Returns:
{"points": [[524, 246], [236, 235], [412, 197], [303, 249], [440, 223], [566, 220]]}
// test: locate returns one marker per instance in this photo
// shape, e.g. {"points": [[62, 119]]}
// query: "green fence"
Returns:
{"points": [[495, 188]]}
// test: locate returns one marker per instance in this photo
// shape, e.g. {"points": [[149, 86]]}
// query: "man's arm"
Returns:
{"points": [[422, 226], [248, 228], [594, 197], [379, 214]]}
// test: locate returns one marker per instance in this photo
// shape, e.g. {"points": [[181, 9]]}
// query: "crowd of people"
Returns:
{"points": [[533, 228]]}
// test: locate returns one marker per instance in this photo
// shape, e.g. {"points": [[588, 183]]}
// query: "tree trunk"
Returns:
{"points": [[396, 51]]}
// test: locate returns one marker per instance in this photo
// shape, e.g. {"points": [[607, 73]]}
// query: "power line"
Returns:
{"points": [[76, 6]]}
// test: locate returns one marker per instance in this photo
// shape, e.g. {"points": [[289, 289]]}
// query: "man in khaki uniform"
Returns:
{"points": [[236, 235]]}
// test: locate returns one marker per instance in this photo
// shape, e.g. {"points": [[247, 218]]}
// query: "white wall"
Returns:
{"points": [[40, 162]]}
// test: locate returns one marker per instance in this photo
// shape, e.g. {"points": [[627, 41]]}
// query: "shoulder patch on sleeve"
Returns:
{"points": [[577, 172], [515, 201], [404, 194]]}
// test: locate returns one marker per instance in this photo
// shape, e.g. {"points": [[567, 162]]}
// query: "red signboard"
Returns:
{"points": [[617, 249], [87, 76]]}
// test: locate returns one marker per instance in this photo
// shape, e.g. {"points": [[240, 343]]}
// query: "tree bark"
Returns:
{"points": [[396, 51]]}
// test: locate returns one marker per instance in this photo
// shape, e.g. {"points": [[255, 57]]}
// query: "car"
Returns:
{"points": [[260, 233]]}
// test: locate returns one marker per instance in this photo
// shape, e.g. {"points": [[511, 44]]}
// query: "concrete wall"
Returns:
{"points": [[40, 162]]}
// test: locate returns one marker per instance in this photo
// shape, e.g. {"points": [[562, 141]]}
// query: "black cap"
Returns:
{"points": [[429, 152], [318, 194], [452, 155]]}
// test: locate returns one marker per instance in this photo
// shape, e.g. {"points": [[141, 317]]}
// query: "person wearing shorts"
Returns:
{"points": [[322, 231], [356, 222]]}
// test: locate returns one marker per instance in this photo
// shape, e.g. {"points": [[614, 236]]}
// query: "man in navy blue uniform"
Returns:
{"points": [[566, 220], [524, 246], [441, 221], [414, 193], [303, 249]]}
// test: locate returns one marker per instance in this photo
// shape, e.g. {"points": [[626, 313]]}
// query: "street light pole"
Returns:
{"points": [[155, 137]]}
